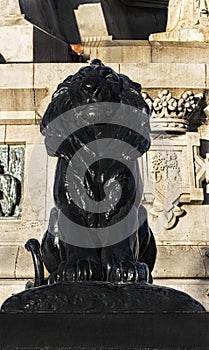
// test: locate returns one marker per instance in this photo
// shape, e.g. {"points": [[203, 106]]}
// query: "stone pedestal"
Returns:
{"points": [[23, 42]]}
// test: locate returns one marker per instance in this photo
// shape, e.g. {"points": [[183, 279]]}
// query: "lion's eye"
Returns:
{"points": [[112, 77], [77, 78]]}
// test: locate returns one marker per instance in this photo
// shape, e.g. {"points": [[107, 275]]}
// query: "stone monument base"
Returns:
{"points": [[190, 34], [101, 297]]}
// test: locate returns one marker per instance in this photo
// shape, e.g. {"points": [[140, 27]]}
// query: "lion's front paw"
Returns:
{"points": [[127, 271], [81, 270]]}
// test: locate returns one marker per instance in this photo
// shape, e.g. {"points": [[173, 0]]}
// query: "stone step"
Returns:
{"points": [[144, 51], [21, 99]]}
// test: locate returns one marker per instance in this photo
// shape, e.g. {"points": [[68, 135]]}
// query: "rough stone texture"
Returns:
{"points": [[55, 73], [179, 52], [2, 133], [119, 51], [21, 99], [101, 297], [10, 35], [172, 74], [91, 22], [16, 76], [207, 76], [180, 261], [15, 117], [9, 7], [15, 262], [133, 51], [182, 35], [8, 256], [28, 134], [24, 264], [187, 21]]}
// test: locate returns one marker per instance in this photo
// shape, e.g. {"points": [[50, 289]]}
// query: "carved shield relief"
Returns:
{"points": [[11, 181]]}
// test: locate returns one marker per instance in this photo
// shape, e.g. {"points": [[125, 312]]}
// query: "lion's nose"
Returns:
{"points": [[91, 88]]}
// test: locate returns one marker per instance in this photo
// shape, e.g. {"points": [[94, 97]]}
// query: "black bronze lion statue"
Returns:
{"points": [[86, 108]]}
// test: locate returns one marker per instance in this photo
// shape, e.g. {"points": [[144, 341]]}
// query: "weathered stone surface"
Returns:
{"points": [[15, 117], [166, 74], [21, 99], [8, 256], [23, 133], [179, 52], [207, 76], [191, 228], [24, 264], [35, 187], [119, 51], [91, 22], [180, 261], [187, 21], [9, 7], [2, 133], [16, 76], [189, 35], [10, 36], [55, 73], [15, 262]]}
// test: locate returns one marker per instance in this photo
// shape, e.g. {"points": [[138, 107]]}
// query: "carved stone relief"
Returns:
{"points": [[183, 14], [174, 177], [11, 181], [201, 169], [171, 114]]}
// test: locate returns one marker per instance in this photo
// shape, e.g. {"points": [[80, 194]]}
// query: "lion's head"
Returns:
{"points": [[92, 84]]}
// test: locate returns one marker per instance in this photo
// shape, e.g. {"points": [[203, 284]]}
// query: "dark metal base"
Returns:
{"points": [[101, 297], [104, 331], [105, 316]]}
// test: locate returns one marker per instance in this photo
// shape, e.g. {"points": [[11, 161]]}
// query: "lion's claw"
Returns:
{"points": [[127, 271], [81, 270]]}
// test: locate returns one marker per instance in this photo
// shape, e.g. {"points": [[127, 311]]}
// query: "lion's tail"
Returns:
{"points": [[33, 246]]}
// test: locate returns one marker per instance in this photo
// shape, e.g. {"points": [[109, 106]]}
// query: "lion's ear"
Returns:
{"points": [[137, 86], [62, 86]]}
